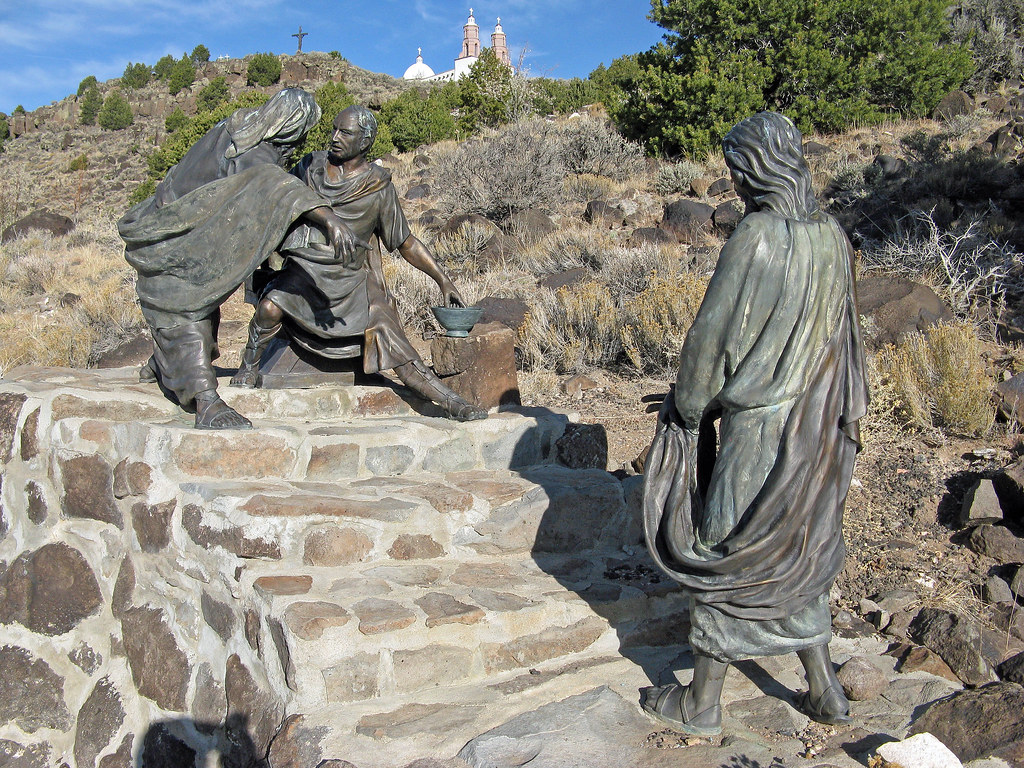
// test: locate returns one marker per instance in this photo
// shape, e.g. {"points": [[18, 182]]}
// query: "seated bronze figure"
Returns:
{"points": [[322, 303], [753, 528]]}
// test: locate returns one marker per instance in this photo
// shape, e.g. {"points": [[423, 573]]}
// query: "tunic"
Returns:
{"points": [[754, 529], [327, 303]]}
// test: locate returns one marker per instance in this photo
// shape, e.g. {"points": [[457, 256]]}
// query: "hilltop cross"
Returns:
{"points": [[300, 35]]}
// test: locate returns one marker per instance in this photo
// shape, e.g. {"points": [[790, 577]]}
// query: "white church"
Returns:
{"points": [[470, 53]]}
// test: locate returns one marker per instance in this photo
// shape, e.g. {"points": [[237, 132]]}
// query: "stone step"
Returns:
{"points": [[373, 631], [418, 516]]}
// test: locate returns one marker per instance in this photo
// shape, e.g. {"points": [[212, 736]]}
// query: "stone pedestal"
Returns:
{"points": [[481, 367]]}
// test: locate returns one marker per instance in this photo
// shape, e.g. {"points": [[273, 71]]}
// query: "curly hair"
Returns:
{"points": [[765, 154]]}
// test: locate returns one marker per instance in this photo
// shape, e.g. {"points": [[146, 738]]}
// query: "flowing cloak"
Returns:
{"points": [[211, 222], [324, 303], [754, 532]]}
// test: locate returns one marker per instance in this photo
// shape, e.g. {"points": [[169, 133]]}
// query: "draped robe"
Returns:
{"points": [[754, 529]]}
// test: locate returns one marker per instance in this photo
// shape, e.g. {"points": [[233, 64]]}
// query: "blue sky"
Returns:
{"points": [[47, 46]]}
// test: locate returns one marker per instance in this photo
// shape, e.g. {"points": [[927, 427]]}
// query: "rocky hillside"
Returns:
{"points": [[34, 167]]}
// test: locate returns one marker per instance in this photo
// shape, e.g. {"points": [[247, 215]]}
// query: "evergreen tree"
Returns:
{"points": [[183, 74], [826, 64], [5, 131], [136, 76], [485, 93], [212, 95], [200, 54], [264, 69], [175, 120], [89, 106], [163, 67], [331, 98], [115, 113], [87, 82], [612, 83], [415, 118]]}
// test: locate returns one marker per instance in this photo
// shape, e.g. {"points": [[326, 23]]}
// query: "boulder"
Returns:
{"points": [[953, 104], [812, 148], [644, 235], [604, 214], [687, 220], [1012, 670], [720, 187], [958, 641], [509, 312], [530, 225], [727, 216], [861, 680], [997, 542], [980, 505], [921, 751], [898, 306], [565, 279], [481, 367], [417, 192], [40, 220], [976, 723]]}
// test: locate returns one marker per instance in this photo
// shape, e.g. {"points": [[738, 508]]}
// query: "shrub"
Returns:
{"points": [[825, 64], [183, 74], [115, 114], [939, 380], [414, 119], [175, 120], [136, 76], [264, 69], [212, 95], [990, 28], [610, 85], [86, 84], [200, 54], [584, 187], [141, 192], [675, 178], [655, 321], [572, 329], [89, 107], [589, 145], [5, 131], [80, 163], [336, 55], [331, 98], [162, 69], [517, 169]]}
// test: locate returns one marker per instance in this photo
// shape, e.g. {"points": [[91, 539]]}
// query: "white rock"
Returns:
{"points": [[921, 751]]}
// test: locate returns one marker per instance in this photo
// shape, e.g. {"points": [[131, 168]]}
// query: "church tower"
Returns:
{"points": [[499, 46], [470, 38]]}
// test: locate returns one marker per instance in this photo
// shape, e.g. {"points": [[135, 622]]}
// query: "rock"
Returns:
{"points": [[890, 166], [472, 219], [152, 524], [953, 104], [10, 412], [550, 643], [49, 590], [297, 745], [958, 641], [1009, 485], [813, 148], [37, 508], [588, 725], [40, 220], [649, 235], [283, 585], [160, 668], [980, 505], [997, 542], [583, 446], [308, 620], [1010, 398], [89, 489], [414, 719], [444, 609], [14, 755], [355, 679], [898, 306], [699, 186], [219, 616], [719, 187], [98, 722], [995, 590], [162, 749], [85, 658], [530, 225], [415, 546], [974, 723], [687, 220], [418, 192], [122, 758], [29, 434], [377, 616], [124, 588], [134, 350], [604, 214], [329, 462], [233, 539], [566, 279], [1012, 670], [336, 546], [209, 704], [509, 312], [861, 680], [1003, 141], [131, 478], [921, 751], [1017, 582], [31, 693], [431, 667], [727, 216], [253, 708], [241, 456], [921, 659], [481, 367]]}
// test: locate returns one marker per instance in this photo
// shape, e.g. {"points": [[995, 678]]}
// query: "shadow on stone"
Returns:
{"points": [[181, 742]]}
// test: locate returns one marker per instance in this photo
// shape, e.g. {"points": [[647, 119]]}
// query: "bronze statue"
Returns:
{"points": [[753, 529], [216, 216], [322, 303]]}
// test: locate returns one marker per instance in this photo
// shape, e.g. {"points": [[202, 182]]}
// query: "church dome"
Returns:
{"points": [[419, 70]]}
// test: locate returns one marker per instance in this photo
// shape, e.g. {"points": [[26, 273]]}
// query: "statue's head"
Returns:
{"points": [[284, 120], [355, 130], [766, 158]]}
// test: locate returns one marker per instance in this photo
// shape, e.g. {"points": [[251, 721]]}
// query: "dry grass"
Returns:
{"points": [[938, 380], [655, 321]]}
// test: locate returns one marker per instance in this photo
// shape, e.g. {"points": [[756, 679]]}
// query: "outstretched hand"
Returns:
{"points": [[346, 244], [450, 295]]}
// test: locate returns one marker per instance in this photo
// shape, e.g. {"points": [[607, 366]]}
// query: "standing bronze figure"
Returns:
{"points": [[216, 216], [753, 528]]}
